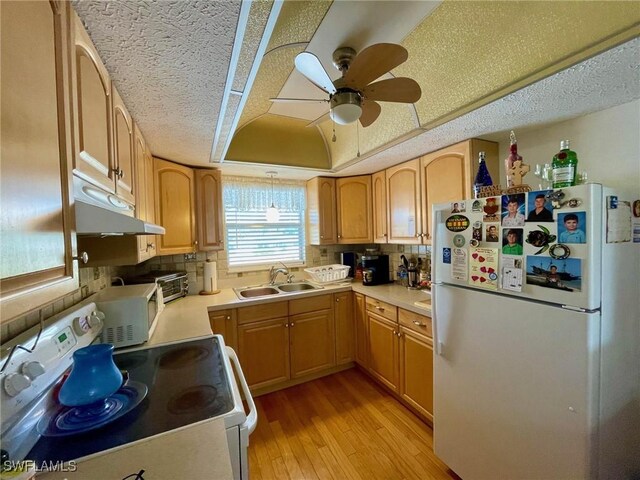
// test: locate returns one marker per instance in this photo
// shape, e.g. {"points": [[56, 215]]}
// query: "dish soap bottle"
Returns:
{"points": [[564, 166], [483, 179]]}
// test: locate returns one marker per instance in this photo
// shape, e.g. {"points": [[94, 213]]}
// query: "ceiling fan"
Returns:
{"points": [[353, 97]]}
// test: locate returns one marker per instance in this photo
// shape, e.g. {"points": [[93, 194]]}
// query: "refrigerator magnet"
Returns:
{"points": [[477, 231], [491, 234], [540, 238], [446, 255], [458, 240], [560, 275], [539, 207], [457, 207], [559, 251], [457, 223], [572, 227], [476, 206], [491, 210], [459, 265]]}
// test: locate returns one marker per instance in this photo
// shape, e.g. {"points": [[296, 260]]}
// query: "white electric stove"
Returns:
{"points": [[188, 382]]}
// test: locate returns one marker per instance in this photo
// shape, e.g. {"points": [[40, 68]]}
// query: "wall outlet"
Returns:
{"points": [[190, 257], [96, 273]]}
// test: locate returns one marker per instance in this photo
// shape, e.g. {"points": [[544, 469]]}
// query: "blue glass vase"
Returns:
{"points": [[93, 378]]}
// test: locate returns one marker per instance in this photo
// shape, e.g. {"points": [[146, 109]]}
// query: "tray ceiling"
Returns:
{"points": [[171, 62]]}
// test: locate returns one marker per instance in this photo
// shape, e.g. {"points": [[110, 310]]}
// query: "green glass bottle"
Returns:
{"points": [[564, 166]]}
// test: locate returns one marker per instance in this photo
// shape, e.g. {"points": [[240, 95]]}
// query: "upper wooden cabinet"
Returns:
{"points": [[404, 210], [123, 154], [175, 207], [92, 104], [448, 175], [145, 197], [209, 209], [379, 192], [37, 221], [321, 211], [355, 217]]}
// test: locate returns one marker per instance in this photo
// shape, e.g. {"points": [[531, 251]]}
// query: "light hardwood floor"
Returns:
{"points": [[341, 427]]}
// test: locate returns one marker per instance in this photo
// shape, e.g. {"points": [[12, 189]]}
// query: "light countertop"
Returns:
{"points": [[188, 317]]}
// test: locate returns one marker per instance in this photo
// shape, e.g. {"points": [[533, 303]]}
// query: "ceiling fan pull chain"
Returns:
{"points": [[358, 136], [333, 139]]}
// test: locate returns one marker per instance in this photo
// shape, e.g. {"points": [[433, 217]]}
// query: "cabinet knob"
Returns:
{"points": [[151, 245], [399, 334], [82, 257], [337, 299], [228, 317], [418, 235], [195, 246], [321, 236], [339, 236], [291, 324], [118, 171], [395, 333], [286, 325]]}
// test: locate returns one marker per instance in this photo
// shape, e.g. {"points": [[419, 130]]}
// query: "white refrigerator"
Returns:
{"points": [[536, 311]]}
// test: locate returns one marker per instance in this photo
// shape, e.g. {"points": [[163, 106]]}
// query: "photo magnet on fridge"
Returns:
{"points": [[513, 210], [572, 227], [492, 234], [539, 206], [512, 241], [457, 207], [557, 274], [446, 255]]}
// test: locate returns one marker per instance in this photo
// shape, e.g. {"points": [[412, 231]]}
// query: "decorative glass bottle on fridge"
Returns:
{"points": [[564, 166], [513, 157], [483, 179]]}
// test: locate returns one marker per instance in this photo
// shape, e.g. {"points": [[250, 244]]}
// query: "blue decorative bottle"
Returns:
{"points": [[93, 378], [483, 179]]}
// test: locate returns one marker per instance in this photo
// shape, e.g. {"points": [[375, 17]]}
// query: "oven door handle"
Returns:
{"points": [[252, 419]]}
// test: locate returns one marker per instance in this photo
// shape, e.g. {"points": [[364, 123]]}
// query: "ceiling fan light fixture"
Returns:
{"points": [[346, 107]]}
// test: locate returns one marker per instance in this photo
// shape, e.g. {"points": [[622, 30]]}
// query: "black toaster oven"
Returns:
{"points": [[174, 283]]}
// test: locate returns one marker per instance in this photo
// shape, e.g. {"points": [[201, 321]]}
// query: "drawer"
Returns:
{"points": [[264, 311], [417, 323], [310, 304], [383, 309]]}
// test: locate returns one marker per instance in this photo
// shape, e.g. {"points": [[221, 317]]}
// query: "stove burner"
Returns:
{"points": [[182, 357], [69, 421], [131, 361], [193, 399]]}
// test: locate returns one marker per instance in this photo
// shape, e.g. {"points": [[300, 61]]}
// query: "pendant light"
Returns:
{"points": [[273, 215]]}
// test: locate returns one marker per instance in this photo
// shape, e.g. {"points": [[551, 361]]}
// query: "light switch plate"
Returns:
{"points": [[190, 257]]}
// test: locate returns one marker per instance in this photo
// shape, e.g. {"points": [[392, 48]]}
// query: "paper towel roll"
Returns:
{"points": [[210, 276]]}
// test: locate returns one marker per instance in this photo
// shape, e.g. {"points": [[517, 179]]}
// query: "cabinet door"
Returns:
{"points": [[149, 179], [312, 341], [321, 211], [416, 371], [379, 190], [36, 150], [175, 207], [93, 113], [209, 209], [444, 178], [224, 323], [345, 327], [403, 203], [142, 204], [383, 350], [123, 154], [263, 349], [355, 218], [362, 332]]}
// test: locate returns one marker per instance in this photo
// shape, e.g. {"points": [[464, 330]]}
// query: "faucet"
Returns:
{"points": [[273, 273]]}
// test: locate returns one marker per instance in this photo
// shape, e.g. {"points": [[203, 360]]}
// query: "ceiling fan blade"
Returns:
{"points": [[319, 120], [370, 111], [309, 66], [373, 62], [297, 100], [401, 89]]}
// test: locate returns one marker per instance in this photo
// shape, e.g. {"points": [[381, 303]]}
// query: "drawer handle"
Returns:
{"points": [[419, 324], [380, 308]]}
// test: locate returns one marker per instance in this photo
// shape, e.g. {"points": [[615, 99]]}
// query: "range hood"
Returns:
{"points": [[101, 213]]}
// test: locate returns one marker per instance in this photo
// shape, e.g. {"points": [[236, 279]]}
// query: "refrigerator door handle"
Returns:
{"points": [[437, 344]]}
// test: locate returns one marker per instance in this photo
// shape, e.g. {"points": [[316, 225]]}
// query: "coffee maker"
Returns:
{"points": [[375, 269]]}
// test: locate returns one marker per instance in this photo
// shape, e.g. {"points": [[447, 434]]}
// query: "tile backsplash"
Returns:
{"points": [[93, 279]]}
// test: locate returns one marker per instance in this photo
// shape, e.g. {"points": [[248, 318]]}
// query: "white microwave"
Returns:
{"points": [[130, 313]]}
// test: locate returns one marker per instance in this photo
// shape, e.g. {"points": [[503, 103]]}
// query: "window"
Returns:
{"points": [[251, 239]]}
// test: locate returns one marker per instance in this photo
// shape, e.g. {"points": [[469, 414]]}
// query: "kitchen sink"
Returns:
{"points": [[256, 292], [297, 287]]}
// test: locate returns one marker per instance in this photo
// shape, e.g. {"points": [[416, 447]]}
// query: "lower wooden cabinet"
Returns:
{"points": [[263, 348], [345, 327], [224, 323], [361, 330], [383, 350], [416, 371], [311, 340]]}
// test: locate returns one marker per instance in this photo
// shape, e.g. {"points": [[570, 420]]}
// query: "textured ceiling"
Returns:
{"points": [[169, 61]]}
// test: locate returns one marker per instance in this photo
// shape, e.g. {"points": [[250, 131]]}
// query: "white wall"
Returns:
{"points": [[607, 144]]}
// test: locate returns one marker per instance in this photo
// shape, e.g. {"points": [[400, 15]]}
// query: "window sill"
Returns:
{"points": [[262, 267]]}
